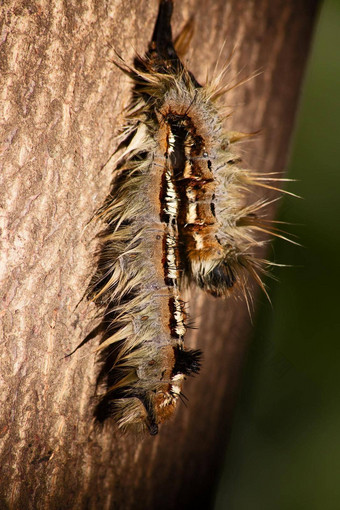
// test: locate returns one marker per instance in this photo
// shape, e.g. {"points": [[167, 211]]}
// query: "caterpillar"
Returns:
{"points": [[176, 216]]}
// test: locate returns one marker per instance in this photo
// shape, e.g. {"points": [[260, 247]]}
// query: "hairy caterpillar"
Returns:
{"points": [[176, 215]]}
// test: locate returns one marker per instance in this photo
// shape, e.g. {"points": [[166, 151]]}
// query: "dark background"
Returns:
{"points": [[284, 450]]}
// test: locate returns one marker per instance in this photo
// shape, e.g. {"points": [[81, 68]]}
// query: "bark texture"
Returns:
{"points": [[61, 103]]}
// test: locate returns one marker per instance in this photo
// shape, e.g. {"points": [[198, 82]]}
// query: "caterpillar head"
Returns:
{"points": [[162, 404], [134, 407], [220, 276]]}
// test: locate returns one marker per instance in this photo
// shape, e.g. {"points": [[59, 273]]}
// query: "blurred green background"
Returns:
{"points": [[284, 451]]}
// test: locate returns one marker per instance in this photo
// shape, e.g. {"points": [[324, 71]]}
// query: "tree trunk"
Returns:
{"points": [[62, 98]]}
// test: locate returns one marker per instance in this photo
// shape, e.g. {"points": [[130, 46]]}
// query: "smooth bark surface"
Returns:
{"points": [[61, 102]]}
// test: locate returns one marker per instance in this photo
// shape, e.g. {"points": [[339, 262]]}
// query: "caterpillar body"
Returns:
{"points": [[176, 215]]}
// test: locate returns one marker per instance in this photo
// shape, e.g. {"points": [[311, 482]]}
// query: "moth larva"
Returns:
{"points": [[176, 215]]}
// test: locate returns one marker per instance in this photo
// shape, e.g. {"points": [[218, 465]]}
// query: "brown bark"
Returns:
{"points": [[61, 103]]}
